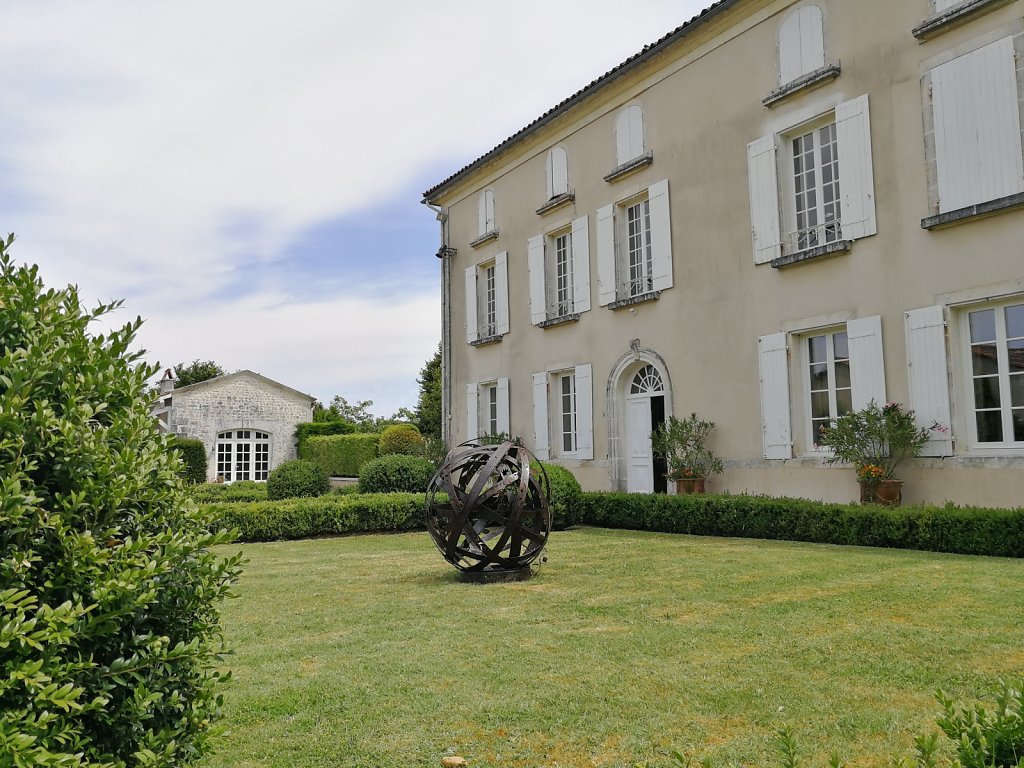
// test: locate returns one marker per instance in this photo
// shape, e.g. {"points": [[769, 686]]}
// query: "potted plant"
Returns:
{"points": [[682, 444], [875, 440]]}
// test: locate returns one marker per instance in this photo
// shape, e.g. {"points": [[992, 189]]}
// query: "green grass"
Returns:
{"points": [[366, 651]]}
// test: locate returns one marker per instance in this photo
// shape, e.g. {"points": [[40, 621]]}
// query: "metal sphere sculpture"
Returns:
{"points": [[487, 513]]}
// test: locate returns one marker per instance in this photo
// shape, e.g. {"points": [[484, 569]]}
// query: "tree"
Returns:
{"points": [[109, 588], [428, 407], [196, 371]]}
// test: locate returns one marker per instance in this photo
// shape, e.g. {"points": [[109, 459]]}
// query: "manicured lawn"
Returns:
{"points": [[366, 651]]}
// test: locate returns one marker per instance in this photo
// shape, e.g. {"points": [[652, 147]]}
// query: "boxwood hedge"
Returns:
{"points": [[340, 455]]}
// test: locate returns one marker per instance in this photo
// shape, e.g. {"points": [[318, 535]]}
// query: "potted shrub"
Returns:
{"points": [[682, 444], [875, 440]]}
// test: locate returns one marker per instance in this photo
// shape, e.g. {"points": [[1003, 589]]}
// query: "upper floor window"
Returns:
{"points": [[487, 300], [801, 44], [634, 242], [974, 148], [629, 135], [814, 209], [485, 213], [559, 267], [557, 173]]}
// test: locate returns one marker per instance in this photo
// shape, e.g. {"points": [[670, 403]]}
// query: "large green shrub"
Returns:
{"points": [[969, 531], [565, 496], [401, 438], [310, 429], [193, 458], [110, 636], [297, 478], [326, 515], [396, 472], [340, 455]]}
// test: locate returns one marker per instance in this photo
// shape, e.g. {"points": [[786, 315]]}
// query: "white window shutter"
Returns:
{"points": [[606, 255], [503, 411], [558, 172], [856, 177], [812, 39], [501, 321], [629, 134], [535, 265], [789, 49], [549, 173], [927, 378], [472, 412], [773, 368], [584, 412], [581, 264], [540, 415], [471, 334], [481, 228], [867, 366], [977, 127], [762, 174], [661, 235]]}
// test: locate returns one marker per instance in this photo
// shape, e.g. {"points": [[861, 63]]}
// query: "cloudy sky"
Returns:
{"points": [[247, 174]]}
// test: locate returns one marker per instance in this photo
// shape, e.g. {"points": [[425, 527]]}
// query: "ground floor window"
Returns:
{"points": [[997, 373], [243, 454]]}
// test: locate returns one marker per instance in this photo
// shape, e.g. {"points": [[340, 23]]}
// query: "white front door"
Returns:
{"points": [[640, 475]]}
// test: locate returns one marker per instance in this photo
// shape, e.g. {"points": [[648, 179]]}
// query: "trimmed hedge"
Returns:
{"points": [[969, 531], [565, 496], [396, 473], [193, 458], [243, 490], [401, 438], [309, 429], [340, 455], [322, 516], [297, 478]]}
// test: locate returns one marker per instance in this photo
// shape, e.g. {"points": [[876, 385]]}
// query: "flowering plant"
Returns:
{"points": [[682, 443], [875, 439]]}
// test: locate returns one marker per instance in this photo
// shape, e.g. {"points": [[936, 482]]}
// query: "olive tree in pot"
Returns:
{"points": [[682, 443]]}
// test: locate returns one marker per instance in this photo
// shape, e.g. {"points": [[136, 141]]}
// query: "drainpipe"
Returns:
{"points": [[444, 253]]}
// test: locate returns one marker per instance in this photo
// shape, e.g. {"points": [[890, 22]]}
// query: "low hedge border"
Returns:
{"points": [[242, 491], [305, 518], [960, 530]]}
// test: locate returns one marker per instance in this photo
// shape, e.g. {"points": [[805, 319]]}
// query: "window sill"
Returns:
{"points": [[556, 202], [632, 166], [483, 342], [973, 212], [639, 299], [486, 237], [552, 322], [805, 82], [809, 254], [954, 17]]}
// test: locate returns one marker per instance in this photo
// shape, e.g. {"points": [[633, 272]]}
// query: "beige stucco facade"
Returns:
{"points": [[899, 282]]}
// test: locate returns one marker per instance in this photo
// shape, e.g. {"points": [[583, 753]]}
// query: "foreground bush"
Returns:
{"points": [[326, 515], [396, 473], [566, 510], [295, 479], [401, 438], [241, 490], [193, 458], [968, 531], [340, 455], [109, 634]]}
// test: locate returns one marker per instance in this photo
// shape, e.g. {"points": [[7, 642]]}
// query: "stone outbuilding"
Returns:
{"points": [[246, 421]]}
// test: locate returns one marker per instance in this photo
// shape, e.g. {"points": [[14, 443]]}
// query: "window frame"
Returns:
{"points": [[258, 446], [831, 359]]}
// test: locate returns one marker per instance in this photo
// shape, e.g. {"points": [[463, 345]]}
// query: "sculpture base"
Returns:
{"points": [[491, 577]]}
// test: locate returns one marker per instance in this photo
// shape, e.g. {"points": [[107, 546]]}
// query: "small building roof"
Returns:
{"points": [[228, 376]]}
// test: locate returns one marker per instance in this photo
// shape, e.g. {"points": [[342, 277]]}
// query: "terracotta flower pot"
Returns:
{"points": [[690, 485], [889, 493]]}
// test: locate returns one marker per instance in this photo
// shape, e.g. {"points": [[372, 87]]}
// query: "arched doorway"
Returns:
{"points": [[639, 401]]}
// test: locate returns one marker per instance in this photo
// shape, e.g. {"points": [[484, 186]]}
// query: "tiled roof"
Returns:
{"points": [[636, 59]]}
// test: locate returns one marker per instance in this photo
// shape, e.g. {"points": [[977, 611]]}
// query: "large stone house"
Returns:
{"points": [[779, 211], [246, 421]]}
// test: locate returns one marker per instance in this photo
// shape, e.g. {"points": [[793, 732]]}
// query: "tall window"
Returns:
{"points": [[488, 300], [997, 373], [828, 359], [562, 262], [243, 454], [816, 187], [638, 244], [491, 406], [567, 401]]}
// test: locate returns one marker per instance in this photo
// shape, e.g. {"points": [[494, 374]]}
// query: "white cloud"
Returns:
{"points": [[154, 150]]}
